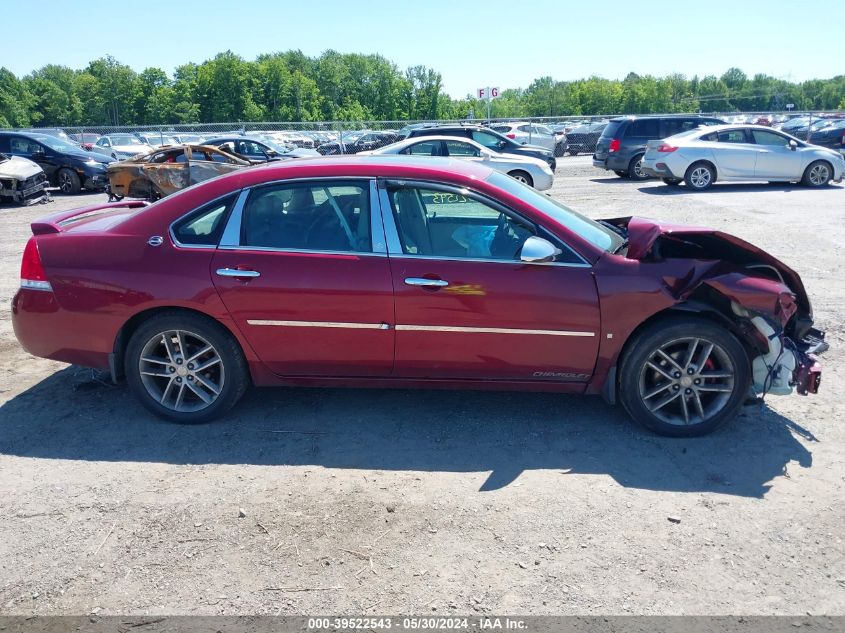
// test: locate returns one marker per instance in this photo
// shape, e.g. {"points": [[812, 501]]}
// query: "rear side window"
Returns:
{"points": [[204, 227], [611, 129], [645, 128], [732, 136], [676, 126]]}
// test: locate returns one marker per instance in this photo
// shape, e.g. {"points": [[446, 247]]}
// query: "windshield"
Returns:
{"points": [[598, 235], [157, 139], [124, 139], [57, 144]]}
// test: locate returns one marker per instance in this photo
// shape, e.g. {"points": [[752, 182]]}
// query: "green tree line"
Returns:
{"points": [[290, 86]]}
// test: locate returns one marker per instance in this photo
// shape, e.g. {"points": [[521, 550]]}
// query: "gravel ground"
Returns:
{"points": [[359, 501]]}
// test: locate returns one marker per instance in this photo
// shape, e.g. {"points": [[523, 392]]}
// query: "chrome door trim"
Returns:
{"points": [[328, 324], [304, 251], [489, 330], [512, 262]]}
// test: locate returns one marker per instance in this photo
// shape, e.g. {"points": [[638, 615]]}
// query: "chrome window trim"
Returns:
{"points": [[394, 245], [231, 240], [512, 262], [305, 251], [172, 234]]}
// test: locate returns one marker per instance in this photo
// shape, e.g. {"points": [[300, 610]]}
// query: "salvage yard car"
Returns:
{"points": [[740, 152], [169, 169], [21, 180], [396, 271], [532, 171], [67, 166]]}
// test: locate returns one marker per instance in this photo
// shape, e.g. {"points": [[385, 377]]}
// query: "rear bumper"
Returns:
{"points": [[613, 161], [658, 169], [45, 329]]}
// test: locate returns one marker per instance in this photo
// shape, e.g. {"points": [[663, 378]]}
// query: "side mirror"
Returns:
{"points": [[536, 250], [502, 144], [486, 155], [793, 145]]}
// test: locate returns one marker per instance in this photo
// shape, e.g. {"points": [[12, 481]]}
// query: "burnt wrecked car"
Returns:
{"points": [[164, 171], [21, 180]]}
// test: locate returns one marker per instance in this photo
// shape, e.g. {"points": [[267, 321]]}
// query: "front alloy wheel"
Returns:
{"points": [[684, 376], [686, 381]]}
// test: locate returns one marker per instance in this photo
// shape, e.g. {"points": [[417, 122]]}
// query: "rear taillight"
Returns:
{"points": [[511, 135], [666, 148], [33, 276], [615, 144]]}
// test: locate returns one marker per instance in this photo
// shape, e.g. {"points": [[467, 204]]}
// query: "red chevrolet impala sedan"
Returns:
{"points": [[396, 271]]}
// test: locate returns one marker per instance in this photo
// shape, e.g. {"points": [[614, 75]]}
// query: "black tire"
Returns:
{"points": [[560, 149], [818, 174], [233, 370], [636, 374], [620, 173], [69, 181], [695, 178], [522, 176], [634, 168], [572, 152], [672, 182]]}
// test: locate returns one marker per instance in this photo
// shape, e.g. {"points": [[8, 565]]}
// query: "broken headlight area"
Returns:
{"points": [[786, 363]]}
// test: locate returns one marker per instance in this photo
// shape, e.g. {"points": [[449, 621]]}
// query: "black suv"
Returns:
{"points": [[488, 138], [68, 166], [622, 143]]}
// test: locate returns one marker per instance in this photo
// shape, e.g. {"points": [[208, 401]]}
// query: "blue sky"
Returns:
{"points": [[472, 44]]}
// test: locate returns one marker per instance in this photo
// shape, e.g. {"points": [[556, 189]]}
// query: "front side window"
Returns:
{"points": [[426, 148], [321, 216], [762, 137], [443, 224], [205, 226], [490, 141]]}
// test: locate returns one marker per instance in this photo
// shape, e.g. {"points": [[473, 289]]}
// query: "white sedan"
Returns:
{"points": [[531, 171], [702, 156]]}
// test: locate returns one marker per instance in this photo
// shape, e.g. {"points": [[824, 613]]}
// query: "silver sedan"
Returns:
{"points": [[531, 171], [740, 152]]}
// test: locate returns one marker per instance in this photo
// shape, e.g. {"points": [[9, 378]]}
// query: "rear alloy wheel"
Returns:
{"points": [[185, 367], [522, 176], [684, 377], [700, 176], [817, 174], [69, 182], [635, 169]]}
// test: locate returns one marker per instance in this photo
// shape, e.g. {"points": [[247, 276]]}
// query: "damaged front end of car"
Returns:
{"points": [[758, 296]]}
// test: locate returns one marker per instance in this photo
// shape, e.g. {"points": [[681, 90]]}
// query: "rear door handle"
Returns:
{"points": [[234, 272], [426, 283]]}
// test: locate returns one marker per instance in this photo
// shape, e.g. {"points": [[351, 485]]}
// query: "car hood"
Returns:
{"points": [[18, 168], [650, 238], [132, 149]]}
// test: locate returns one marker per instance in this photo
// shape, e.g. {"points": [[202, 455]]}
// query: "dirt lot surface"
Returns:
{"points": [[358, 501]]}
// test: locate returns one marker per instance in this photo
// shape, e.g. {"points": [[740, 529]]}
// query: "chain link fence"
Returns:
{"points": [[572, 135]]}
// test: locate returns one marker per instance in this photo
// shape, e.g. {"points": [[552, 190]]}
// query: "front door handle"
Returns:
{"points": [[426, 283], [234, 272]]}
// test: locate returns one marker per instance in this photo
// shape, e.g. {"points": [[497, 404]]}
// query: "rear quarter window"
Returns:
{"points": [[611, 129], [204, 227]]}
